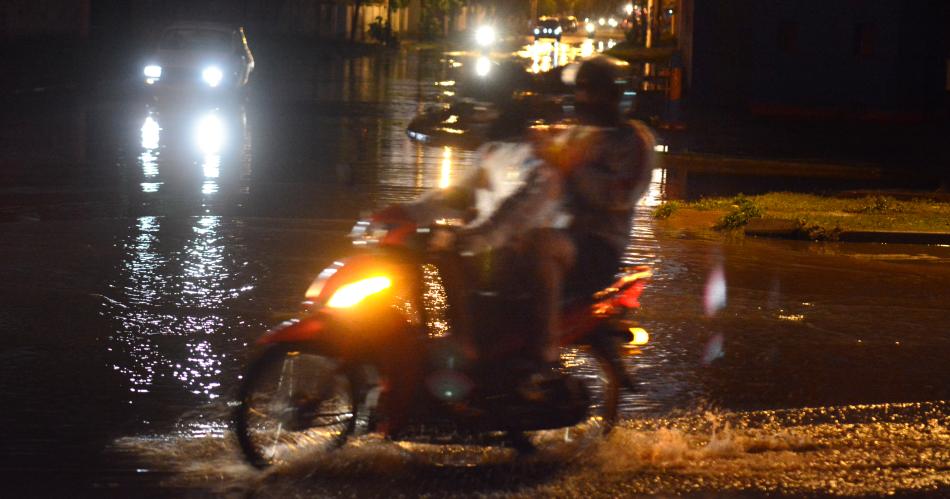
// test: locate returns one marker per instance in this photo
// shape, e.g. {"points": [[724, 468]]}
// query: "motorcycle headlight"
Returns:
{"points": [[352, 294], [212, 75], [153, 71]]}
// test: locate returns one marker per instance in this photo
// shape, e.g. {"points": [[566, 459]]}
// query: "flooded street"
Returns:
{"points": [[144, 244]]}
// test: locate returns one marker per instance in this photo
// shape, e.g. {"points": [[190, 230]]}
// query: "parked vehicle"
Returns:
{"points": [[569, 24], [371, 320], [193, 55]]}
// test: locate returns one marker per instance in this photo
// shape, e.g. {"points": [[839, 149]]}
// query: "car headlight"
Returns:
{"points": [[537, 31], [485, 36], [212, 75], [153, 71], [557, 30], [590, 27]]}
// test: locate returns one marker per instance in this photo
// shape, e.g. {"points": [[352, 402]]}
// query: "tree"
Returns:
{"points": [[355, 20], [438, 14]]}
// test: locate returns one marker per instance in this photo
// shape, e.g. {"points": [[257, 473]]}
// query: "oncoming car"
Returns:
{"points": [[548, 27], [193, 55]]}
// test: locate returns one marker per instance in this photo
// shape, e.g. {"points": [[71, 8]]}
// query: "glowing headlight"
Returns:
{"points": [[482, 66], [153, 71], [612, 22], [590, 27], [557, 30], [485, 36], [601, 21], [353, 293], [212, 75], [537, 31]]}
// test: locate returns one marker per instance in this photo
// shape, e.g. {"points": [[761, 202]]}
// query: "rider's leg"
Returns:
{"points": [[551, 255], [455, 281]]}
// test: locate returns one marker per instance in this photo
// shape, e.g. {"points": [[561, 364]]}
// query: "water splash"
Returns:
{"points": [[849, 450]]}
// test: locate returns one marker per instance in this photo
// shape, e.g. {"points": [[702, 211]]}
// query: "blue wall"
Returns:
{"points": [[871, 55]]}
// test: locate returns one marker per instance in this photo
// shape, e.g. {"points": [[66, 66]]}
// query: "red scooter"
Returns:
{"points": [[374, 346]]}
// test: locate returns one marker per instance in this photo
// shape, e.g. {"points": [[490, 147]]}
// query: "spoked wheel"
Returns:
{"points": [[293, 402], [602, 379]]}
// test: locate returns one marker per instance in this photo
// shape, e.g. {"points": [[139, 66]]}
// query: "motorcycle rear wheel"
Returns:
{"points": [[292, 402], [602, 379]]}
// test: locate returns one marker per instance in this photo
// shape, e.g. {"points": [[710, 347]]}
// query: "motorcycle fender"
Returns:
{"points": [[349, 336], [294, 331]]}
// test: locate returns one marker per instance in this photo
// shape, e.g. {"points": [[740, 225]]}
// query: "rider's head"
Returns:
{"points": [[598, 89]]}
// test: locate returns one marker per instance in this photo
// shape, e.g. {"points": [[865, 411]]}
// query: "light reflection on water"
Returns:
{"points": [[168, 327], [545, 55], [178, 274]]}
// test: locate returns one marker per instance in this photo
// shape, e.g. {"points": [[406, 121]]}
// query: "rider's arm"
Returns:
{"points": [[535, 204], [447, 203]]}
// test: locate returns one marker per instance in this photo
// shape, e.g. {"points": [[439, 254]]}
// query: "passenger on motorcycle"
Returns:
{"points": [[570, 220], [562, 204], [605, 164]]}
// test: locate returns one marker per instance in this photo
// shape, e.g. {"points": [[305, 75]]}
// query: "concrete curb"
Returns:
{"points": [[731, 165], [788, 229]]}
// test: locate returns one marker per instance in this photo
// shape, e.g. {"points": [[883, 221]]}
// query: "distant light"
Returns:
{"points": [[590, 27], [212, 75], [482, 66], [485, 36], [153, 71], [601, 21], [628, 8], [661, 148], [612, 22]]}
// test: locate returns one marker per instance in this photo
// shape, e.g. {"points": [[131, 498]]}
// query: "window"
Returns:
{"points": [[787, 36], [863, 45]]}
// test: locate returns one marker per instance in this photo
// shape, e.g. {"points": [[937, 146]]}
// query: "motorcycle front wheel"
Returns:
{"points": [[293, 402]]}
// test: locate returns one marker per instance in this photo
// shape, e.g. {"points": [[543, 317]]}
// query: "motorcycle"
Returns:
{"points": [[376, 320]]}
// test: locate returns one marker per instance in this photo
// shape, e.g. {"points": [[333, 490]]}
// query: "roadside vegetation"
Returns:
{"points": [[813, 217]]}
